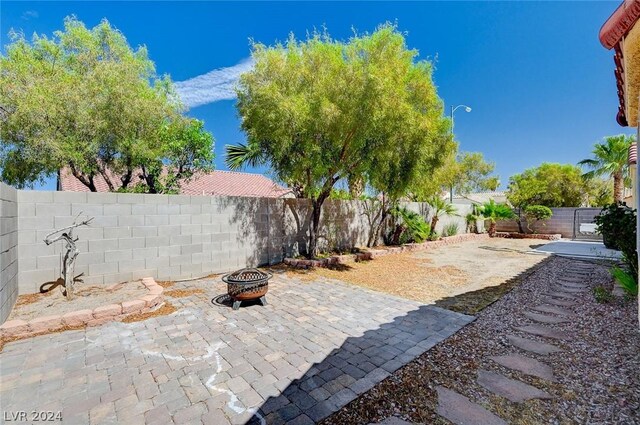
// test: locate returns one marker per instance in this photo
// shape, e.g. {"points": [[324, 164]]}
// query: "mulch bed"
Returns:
{"points": [[598, 371]]}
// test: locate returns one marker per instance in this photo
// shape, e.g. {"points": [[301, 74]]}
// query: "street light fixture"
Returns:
{"points": [[453, 109]]}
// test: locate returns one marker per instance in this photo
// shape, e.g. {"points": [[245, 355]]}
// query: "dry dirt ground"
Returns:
{"points": [[464, 277], [32, 306]]}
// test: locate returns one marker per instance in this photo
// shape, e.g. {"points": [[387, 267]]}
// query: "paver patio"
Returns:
{"points": [[313, 349]]}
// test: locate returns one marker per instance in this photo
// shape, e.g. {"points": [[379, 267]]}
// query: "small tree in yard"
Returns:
{"points": [[439, 207], [535, 214], [86, 102], [319, 111], [495, 212]]}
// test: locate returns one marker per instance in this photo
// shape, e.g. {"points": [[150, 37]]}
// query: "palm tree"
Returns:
{"points": [[611, 159], [440, 207], [494, 212]]}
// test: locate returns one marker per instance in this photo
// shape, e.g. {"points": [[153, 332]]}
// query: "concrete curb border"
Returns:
{"points": [[370, 254], [19, 329]]}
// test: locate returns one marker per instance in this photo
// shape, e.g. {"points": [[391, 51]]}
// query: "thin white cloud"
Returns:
{"points": [[213, 86], [30, 14]]}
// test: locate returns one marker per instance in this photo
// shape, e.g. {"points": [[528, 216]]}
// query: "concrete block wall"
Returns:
{"points": [[8, 249], [172, 237], [560, 222], [137, 235]]}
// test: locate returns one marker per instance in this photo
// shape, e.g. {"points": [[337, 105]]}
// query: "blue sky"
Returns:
{"points": [[540, 84]]}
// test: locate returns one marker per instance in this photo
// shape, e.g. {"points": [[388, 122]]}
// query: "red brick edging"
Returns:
{"points": [[516, 235], [99, 315], [370, 254]]}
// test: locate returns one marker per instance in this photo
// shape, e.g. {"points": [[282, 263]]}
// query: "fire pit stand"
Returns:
{"points": [[247, 284]]}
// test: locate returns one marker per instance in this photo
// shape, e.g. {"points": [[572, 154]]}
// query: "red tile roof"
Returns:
{"points": [[611, 34], [221, 183]]}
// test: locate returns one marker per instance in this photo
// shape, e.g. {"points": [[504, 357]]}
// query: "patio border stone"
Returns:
{"points": [[20, 329], [370, 254]]}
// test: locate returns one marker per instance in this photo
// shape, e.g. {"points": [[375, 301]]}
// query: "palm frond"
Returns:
{"points": [[241, 155]]}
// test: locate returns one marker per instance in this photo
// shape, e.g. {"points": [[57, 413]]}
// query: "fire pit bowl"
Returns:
{"points": [[247, 284]]}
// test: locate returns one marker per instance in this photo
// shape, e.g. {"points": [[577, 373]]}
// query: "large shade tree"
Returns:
{"points": [[551, 185], [86, 102], [461, 173], [321, 110], [610, 159]]}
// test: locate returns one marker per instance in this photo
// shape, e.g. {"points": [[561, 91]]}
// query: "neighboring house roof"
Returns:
{"points": [[218, 183], [481, 197], [612, 36]]}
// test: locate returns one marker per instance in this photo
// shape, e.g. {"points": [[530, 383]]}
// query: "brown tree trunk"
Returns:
{"points": [[434, 222], [314, 228], [492, 229], [618, 187]]}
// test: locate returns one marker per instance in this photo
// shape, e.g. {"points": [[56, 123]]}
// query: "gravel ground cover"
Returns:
{"points": [[598, 370]]}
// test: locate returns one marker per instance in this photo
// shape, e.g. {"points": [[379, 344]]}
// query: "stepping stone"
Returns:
{"points": [[563, 295], [561, 303], [462, 411], [532, 345], [572, 285], [510, 389], [543, 318], [544, 331], [546, 308], [525, 365], [569, 290]]}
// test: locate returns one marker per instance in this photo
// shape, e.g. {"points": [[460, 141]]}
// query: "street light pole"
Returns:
{"points": [[453, 109]]}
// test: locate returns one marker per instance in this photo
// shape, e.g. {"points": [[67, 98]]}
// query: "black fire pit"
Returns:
{"points": [[247, 284]]}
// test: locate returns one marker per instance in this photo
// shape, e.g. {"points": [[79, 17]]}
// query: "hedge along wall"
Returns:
{"points": [[8, 249], [560, 222], [172, 237]]}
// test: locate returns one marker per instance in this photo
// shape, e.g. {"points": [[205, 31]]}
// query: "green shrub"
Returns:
{"points": [[536, 213], [625, 280], [617, 225], [434, 236], [450, 229], [471, 220], [409, 227], [602, 295]]}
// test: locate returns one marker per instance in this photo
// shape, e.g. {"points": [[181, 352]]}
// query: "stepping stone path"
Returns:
{"points": [[543, 318], [532, 345], [461, 411], [544, 331], [546, 308], [525, 365], [508, 388]]}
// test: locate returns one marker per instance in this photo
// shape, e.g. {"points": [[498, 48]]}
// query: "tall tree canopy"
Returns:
{"points": [[551, 185], [462, 173], [85, 101], [611, 159], [322, 110]]}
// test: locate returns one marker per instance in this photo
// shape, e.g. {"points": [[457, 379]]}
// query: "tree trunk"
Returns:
{"points": [[618, 187], [492, 229], [434, 222], [314, 228], [519, 221]]}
